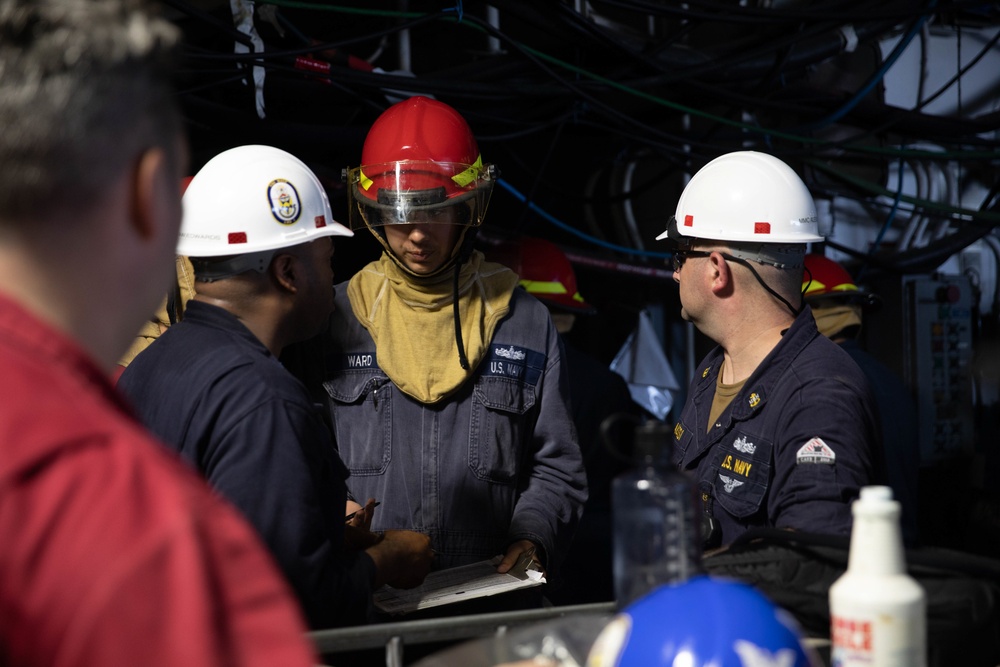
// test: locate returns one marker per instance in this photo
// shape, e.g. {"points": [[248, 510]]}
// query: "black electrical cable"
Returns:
{"points": [[646, 60], [227, 28], [524, 129], [542, 164], [571, 86], [540, 87], [611, 42], [733, 13], [341, 42], [465, 89], [382, 82], [314, 48], [961, 72], [737, 66]]}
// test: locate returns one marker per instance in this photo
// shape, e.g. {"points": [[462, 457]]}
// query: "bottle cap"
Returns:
{"points": [[876, 493], [875, 500], [652, 440]]}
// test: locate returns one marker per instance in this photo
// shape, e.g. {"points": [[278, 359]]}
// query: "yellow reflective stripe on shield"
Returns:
{"points": [[540, 287], [364, 181], [815, 286], [469, 175]]}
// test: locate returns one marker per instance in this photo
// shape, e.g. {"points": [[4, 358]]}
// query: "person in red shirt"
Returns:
{"points": [[113, 552]]}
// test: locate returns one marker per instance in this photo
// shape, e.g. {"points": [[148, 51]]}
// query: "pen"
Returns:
{"points": [[353, 514]]}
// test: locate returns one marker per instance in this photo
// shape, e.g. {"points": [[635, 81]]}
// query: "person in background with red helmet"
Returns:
{"points": [[545, 272], [838, 305], [445, 383], [596, 392]]}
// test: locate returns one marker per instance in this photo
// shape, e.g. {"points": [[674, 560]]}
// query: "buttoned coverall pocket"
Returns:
{"points": [[742, 474], [497, 426], [361, 411]]}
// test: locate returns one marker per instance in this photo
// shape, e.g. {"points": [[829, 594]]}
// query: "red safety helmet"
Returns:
{"points": [[420, 162], [825, 280], [546, 272]]}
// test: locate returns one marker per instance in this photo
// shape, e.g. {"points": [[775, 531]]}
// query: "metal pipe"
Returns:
{"points": [[493, 18], [470, 626]]}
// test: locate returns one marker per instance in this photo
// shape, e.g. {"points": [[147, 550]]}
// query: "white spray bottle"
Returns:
{"points": [[877, 611]]}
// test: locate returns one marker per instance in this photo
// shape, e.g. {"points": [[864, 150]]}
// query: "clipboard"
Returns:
{"points": [[458, 584]]}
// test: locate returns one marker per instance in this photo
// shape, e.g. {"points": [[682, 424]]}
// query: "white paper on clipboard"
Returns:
{"points": [[458, 584]]}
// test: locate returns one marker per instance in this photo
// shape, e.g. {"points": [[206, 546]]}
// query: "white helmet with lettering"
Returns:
{"points": [[250, 201], [747, 198]]}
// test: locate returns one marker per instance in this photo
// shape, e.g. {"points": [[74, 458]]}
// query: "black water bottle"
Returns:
{"points": [[656, 531]]}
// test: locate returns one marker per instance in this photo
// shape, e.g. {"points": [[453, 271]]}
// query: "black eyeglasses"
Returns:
{"points": [[682, 256]]}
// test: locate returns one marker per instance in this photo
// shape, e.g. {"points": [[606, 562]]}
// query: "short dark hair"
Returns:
{"points": [[85, 88]]}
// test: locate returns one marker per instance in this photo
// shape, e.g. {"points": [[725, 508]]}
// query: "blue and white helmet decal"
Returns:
{"points": [[284, 200]]}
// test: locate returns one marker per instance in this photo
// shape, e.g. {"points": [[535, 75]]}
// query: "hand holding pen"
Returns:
{"points": [[357, 525], [364, 514]]}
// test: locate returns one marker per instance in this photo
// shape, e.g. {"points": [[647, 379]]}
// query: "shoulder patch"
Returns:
{"points": [[816, 451]]}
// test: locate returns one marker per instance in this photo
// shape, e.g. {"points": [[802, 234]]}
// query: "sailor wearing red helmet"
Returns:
{"points": [[839, 306], [445, 382]]}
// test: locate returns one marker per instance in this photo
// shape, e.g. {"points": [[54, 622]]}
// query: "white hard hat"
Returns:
{"points": [[251, 199], [745, 197]]}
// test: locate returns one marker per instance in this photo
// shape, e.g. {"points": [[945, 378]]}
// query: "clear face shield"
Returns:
{"points": [[419, 192]]}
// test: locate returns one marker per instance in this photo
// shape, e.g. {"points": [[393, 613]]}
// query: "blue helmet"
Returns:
{"points": [[703, 622]]}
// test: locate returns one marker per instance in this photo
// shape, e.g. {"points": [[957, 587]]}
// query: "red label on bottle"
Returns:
{"points": [[850, 634]]}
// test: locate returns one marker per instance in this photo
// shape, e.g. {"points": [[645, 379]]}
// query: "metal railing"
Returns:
{"points": [[394, 637]]}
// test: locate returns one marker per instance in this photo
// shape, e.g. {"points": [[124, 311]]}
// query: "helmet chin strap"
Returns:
{"points": [[211, 269], [739, 260], [464, 249], [782, 257], [463, 360]]}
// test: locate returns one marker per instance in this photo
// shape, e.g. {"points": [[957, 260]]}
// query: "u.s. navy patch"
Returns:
{"points": [[516, 363], [816, 451]]}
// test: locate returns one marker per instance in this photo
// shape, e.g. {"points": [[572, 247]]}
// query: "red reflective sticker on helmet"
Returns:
{"points": [[237, 237], [762, 228], [320, 221], [688, 220]]}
